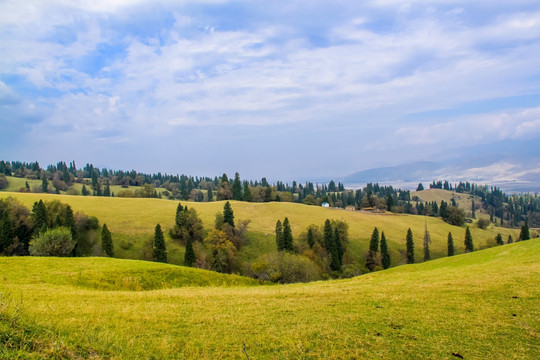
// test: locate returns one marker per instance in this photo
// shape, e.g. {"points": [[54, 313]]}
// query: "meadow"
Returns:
{"points": [[481, 305], [132, 222]]}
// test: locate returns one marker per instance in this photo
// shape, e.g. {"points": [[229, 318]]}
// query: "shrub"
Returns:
{"points": [[482, 223], [53, 242], [455, 216], [285, 267]]}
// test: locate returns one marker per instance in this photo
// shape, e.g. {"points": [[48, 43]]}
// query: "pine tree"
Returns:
{"points": [[427, 240], [524, 234], [371, 260], [228, 214], [287, 236], [450, 244], [44, 184], [6, 233], [473, 207], [189, 256], [410, 247], [247, 192], [107, 191], [329, 243], [84, 191], [310, 239], [389, 202], [510, 239], [160, 252], [279, 236], [237, 188], [384, 252], [106, 241], [70, 222], [338, 259], [39, 216], [469, 246], [499, 239]]}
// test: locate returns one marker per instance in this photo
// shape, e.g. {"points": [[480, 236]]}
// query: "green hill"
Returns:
{"points": [[132, 222], [482, 305]]}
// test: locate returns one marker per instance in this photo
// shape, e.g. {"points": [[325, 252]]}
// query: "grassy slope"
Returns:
{"points": [[135, 219], [480, 305]]}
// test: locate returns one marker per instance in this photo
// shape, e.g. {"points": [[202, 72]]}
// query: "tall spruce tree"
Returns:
{"points": [[310, 239], [6, 233], [385, 256], [427, 240], [287, 236], [524, 234], [329, 243], [39, 216], [70, 222], [237, 188], [84, 191], [410, 247], [247, 192], [279, 236], [44, 184], [450, 244], [337, 256], [371, 260], [499, 239], [510, 239], [473, 208], [228, 214], [106, 241], [469, 246], [189, 256], [160, 252]]}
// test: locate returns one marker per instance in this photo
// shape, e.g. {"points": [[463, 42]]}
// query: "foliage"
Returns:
{"points": [[106, 241], [455, 216], [228, 214], [189, 256], [524, 234], [372, 256], [287, 236], [469, 246], [188, 226], [450, 244], [499, 239], [385, 256], [223, 252], [53, 242], [279, 236], [482, 223], [285, 267], [410, 247], [160, 252], [310, 238], [510, 239], [427, 241]]}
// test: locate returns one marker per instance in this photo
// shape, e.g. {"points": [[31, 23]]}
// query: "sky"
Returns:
{"points": [[276, 89]]}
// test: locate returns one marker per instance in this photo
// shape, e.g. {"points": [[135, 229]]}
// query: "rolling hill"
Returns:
{"points": [[479, 305]]}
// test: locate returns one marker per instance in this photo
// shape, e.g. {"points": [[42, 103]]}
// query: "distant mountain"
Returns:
{"points": [[512, 173]]}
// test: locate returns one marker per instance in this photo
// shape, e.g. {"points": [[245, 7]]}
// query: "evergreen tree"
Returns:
{"points": [[338, 258], [410, 247], [389, 202], [70, 222], [499, 239], [420, 187], [39, 216], [469, 246], [524, 234], [279, 236], [210, 193], [27, 186], [160, 252], [6, 233], [510, 239], [427, 240], [287, 236], [84, 191], [450, 244], [189, 256], [44, 184], [384, 252], [106, 242], [310, 239], [247, 192], [228, 214], [107, 191], [237, 188], [473, 208], [329, 243], [371, 260]]}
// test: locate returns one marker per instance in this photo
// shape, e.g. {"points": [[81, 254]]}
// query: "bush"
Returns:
{"points": [[3, 181], [53, 242], [455, 216], [483, 223], [285, 267]]}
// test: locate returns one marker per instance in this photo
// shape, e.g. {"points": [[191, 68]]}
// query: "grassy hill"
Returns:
{"points": [[480, 305], [132, 222]]}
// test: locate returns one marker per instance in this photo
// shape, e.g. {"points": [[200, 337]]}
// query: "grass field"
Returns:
{"points": [[132, 221], [483, 305]]}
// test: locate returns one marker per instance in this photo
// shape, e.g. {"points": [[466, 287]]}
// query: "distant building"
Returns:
{"points": [[325, 204]]}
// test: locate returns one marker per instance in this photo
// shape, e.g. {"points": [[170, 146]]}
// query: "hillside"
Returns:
{"points": [[132, 222], [480, 305]]}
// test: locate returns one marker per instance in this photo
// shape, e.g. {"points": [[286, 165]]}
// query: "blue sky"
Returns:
{"points": [[285, 90]]}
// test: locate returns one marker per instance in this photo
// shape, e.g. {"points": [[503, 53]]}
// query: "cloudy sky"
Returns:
{"points": [[282, 89]]}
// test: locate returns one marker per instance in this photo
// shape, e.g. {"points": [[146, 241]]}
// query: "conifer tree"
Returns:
{"points": [[410, 247], [44, 184], [189, 256], [499, 239], [84, 191], [70, 222], [228, 214], [469, 246], [329, 243], [450, 244], [385, 256], [427, 240], [524, 234], [337, 257], [371, 260], [279, 236], [6, 232], [39, 216], [160, 252], [310, 239], [237, 188], [247, 192], [106, 241], [107, 191], [287, 236], [510, 239]]}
